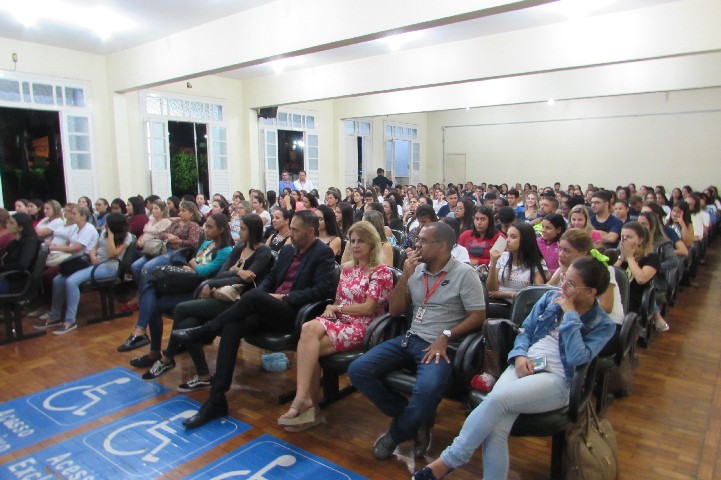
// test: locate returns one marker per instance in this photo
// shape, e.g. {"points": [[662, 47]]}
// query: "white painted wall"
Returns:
{"points": [[658, 138]]}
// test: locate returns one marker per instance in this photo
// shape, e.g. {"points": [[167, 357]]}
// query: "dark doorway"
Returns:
{"points": [[188, 158], [291, 148], [31, 160], [359, 177]]}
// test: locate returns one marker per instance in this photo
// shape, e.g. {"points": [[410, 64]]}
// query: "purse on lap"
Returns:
{"points": [[228, 293], [174, 279], [154, 247], [74, 264], [591, 451]]}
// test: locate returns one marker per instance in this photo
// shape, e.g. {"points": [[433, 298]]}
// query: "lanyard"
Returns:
{"points": [[434, 288]]}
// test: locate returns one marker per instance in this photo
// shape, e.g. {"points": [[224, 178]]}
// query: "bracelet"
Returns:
{"points": [[340, 309]]}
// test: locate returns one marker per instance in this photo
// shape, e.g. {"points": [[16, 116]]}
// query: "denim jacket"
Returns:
{"points": [[581, 337]]}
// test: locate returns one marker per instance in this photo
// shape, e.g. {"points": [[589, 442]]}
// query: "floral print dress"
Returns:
{"points": [[356, 286]]}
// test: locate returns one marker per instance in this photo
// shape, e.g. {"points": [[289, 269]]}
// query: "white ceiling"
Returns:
{"points": [[156, 19]]}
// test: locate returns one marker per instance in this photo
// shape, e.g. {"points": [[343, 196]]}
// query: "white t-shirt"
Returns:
{"points": [[88, 236], [461, 254], [55, 225], [63, 235], [617, 310]]}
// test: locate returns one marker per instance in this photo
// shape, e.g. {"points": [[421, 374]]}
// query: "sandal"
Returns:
{"points": [[305, 416], [305, 426]]}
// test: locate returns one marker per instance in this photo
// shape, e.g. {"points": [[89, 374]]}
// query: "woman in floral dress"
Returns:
{"points": [[363, 290]]}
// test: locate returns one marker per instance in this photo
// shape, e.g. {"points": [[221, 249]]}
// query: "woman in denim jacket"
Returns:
{"points": [[567, 328]]}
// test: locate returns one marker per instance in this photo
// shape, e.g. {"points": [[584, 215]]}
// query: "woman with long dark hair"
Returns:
{"points": [[136, 215], [553, 227], [281, 224], [248, 263], [464, 213], [481, 237], [519, 266], [328, 232], [344, 217], [208, 260]]}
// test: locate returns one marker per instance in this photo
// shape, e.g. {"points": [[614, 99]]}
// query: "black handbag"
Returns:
{"points": [[173, 279], [74, 264]]}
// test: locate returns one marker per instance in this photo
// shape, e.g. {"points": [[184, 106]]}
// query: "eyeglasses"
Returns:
{"points": [[568, 283]]}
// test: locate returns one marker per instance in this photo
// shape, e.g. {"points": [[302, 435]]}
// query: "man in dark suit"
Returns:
{"points": [[302, 274]]}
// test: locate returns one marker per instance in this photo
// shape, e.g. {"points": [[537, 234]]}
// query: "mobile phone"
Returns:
{"points": [[539, 364]]}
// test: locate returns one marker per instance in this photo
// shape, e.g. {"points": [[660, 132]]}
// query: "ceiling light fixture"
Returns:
{"points": [[279, 66], [101, 20], [396, 42]]}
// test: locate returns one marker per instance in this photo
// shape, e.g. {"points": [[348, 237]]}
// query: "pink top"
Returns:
{"points": [[550, 254]]}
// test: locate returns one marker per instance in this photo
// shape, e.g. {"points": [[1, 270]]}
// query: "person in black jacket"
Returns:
{"points": [[303, 273], [21, 251]]}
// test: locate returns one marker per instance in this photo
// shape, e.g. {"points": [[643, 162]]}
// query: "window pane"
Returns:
{"points": [[389, 130], [175, 107], [310, 122], [221, 163], [270, 151], [219, 134], [270, 138], [196, 110], [158, 162], [80, 161], [43, 94], [74, 97], [152, 106], [312, 164], [297, 120], [79, 143], [26, 92], [220, 148], [349, 127], [157, 130], [365, 128], [9, 90], [59, 95], [313, 140], [389, 156], [157, 145], [78, 125], [216, 112]]}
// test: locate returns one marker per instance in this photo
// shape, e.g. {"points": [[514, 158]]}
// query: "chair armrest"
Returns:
{"points": [[19, 276], [582, 384], [95, 267], [308, 312], [199, 288], [383, 328], [469, 357], [185, 251]]}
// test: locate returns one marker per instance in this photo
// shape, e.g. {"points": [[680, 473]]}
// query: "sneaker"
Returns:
{"points": [[194, 384], [158, 369], [483, 382], [384, 447], [47, 323], [45, 317], [65, 329]]}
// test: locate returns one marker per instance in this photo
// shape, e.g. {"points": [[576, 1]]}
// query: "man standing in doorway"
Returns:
{"points": [[285, 181], [381, 181], [303, 183]]}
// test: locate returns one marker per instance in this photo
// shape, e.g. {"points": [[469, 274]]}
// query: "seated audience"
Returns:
{"points": [[442, 316], [568, 328], [207, 262], [365, 284], [302, 274]]}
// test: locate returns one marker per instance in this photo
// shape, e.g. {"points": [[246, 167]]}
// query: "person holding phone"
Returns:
{"points": [[567, 328]]}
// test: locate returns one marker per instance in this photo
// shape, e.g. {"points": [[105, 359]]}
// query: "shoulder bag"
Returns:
{"points": [[74, 264], [154, 247], [591, 449], [173, 279]]}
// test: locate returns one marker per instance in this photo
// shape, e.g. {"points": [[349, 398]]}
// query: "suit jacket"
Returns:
{"points": [[314, 279]]}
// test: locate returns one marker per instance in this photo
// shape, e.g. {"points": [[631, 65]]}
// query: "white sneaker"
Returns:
{"points": [[45, 317], [65, 329]]}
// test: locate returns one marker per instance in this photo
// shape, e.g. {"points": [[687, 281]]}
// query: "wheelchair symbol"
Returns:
{"points": [[93, 393], [158, 430], [282, 461]]}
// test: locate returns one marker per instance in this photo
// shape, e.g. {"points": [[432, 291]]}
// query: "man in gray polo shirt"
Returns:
{"points": [[447, 299]]}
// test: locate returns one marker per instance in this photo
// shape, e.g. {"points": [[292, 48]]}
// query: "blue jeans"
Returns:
{"points": [[143, 268], [490, 422], [432, 380], [67, 290], [152, 306]]}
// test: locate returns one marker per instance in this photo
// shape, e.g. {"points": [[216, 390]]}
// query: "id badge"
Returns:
{"points": [[420, 311]]}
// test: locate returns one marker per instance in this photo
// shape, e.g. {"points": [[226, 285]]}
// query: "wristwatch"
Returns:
{"points": [[447, 333]]}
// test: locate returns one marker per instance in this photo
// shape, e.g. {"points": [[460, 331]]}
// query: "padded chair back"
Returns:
{"points": [[526, 299], [400, 236], [399, 257], [128, 259], [623, 287], [36, 274]]}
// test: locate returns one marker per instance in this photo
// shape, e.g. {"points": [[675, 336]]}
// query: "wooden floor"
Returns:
{"points": [[670, 428]]}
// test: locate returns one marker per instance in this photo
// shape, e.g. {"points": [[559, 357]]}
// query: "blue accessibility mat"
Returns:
{"points": [[143, 445], [31, 419], [268, 458]]}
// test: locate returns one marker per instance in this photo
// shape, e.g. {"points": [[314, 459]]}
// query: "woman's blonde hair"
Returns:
{"points": [[163, 206], [369, 234], [376, 219], [535, 195], [583, 211], [643, 234]]}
